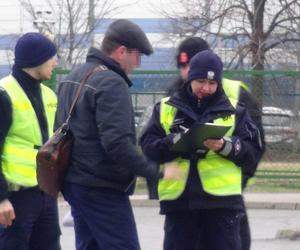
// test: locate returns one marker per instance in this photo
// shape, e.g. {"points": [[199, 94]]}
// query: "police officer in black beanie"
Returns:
{"points": [[186, 50], [105, 160], [204, 208], [28, 216]]}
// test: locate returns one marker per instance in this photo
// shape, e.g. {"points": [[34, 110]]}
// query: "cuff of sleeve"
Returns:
{"points": [[227, 147], [170, 139], [4, 193], [160, 175]]}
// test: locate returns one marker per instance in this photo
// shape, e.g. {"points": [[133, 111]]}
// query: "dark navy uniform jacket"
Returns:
{"points": [[246, 145]]}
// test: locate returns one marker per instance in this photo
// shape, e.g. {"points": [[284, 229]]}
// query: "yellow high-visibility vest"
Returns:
{"points": [[219, 176], [232, 88], [24, 136]]}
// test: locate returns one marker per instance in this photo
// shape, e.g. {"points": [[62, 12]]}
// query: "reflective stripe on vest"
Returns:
{"points": [[24, 136], [219, 176]]}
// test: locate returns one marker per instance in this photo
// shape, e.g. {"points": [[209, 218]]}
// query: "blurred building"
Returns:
{"points": [[15, 20]]}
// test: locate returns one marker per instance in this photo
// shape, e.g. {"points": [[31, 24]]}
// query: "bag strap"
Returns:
{"points": [[79, 90]]}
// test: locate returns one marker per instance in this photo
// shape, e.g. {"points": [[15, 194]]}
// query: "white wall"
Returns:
{"points": [[14, 18]]}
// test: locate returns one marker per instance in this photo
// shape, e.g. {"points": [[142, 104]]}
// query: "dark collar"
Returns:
{"points": [[96, 55], [27, 82], [215, 107]]}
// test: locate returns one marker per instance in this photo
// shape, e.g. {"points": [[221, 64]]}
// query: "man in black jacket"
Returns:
{"points": [[105, 160]]}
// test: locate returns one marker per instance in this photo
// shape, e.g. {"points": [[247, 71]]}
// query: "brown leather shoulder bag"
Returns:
{"points": [[53, 158]]}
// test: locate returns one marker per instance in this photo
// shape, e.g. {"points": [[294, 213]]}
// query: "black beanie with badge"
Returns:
{"points": [[33, 49], [130, 35], [188, 48], [206, 65]]}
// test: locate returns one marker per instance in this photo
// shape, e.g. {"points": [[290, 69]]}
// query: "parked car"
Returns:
{"points": [[279, 127]]}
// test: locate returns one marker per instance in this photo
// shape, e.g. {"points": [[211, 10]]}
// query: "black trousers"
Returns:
{"points": [[206, 229], [36, 224], [245, 232], [103, 218]]}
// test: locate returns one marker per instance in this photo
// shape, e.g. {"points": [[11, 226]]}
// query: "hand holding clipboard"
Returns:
{"points": [[192, 139]]}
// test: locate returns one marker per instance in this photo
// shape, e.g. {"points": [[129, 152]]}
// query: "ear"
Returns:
{"points": [[121, 50], [119, 53]]}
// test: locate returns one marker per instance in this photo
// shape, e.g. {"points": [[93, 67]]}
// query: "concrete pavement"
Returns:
{"points": [[253, 200], [290, 201], [273, 200], [269, 215], [265, 225]]}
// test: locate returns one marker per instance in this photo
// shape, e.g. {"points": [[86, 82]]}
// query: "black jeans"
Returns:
{"points": [[206, 229]]}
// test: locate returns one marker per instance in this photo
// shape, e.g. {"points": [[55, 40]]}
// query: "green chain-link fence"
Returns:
{"points": [[278, 93]]}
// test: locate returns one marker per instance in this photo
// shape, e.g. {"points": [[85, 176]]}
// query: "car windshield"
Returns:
{"points": [[276, 120]]}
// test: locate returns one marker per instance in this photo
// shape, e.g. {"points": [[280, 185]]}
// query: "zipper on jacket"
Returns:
{"points": [[198, 103]]}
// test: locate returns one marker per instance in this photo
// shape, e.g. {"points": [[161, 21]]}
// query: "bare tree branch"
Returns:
{"points": [[72, 29], [248, 29], [275, 22]]}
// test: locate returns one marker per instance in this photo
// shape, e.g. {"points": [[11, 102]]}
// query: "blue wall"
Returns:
{"points": [[148, 25]]}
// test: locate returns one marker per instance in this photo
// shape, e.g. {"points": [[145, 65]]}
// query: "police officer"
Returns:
{"points": [[233, 89], [203, 209], [28, 216]]}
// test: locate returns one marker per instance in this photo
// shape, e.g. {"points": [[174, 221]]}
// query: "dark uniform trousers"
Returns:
{"points": [[204, 229], [36, 225], [245, 232]]}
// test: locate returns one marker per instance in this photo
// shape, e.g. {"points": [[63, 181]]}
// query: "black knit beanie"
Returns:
{"points": [[188, 48], [33, 49], [206, 65]]}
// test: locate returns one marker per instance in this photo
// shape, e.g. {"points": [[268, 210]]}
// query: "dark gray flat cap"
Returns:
{"points": [[130, 35]]}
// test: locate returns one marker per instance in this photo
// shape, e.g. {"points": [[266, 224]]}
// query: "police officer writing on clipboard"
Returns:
{"points": [[204, 208]]}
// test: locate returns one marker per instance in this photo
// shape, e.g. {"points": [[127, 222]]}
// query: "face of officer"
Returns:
{"points": [[45, 71], [203, 87]]}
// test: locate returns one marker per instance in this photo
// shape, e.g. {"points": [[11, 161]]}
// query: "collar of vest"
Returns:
{"points": [[222, 108]]}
